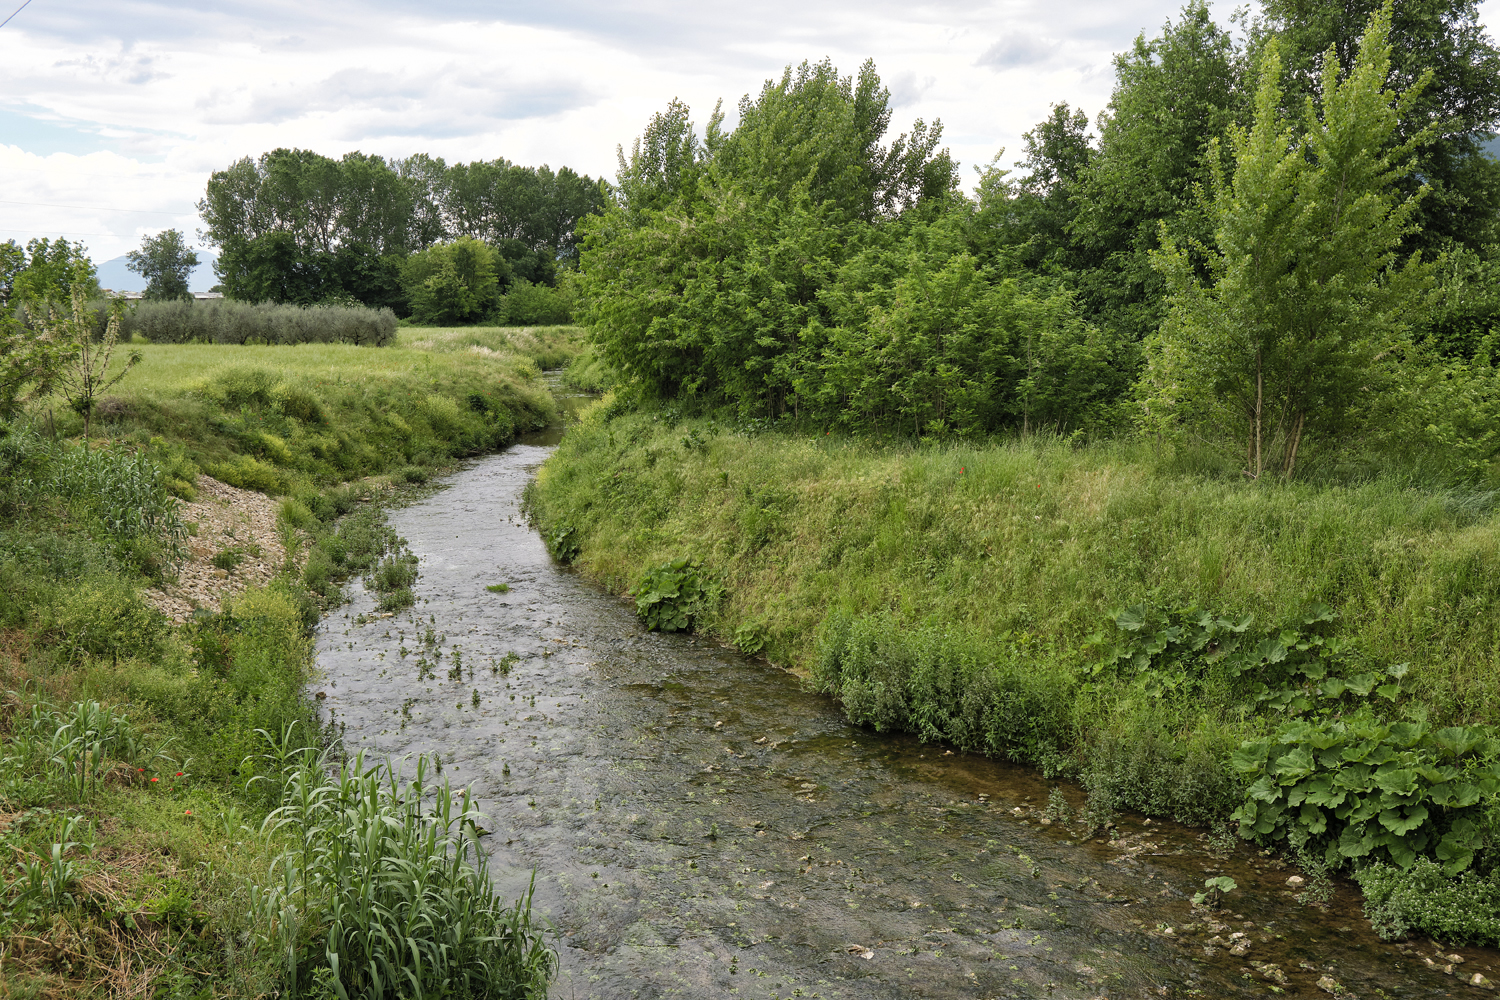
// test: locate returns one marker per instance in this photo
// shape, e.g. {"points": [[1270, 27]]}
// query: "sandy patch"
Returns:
{"points": [[227, 519]]}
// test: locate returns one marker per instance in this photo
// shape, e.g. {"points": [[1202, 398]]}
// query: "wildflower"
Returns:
{"points": [[179, 774], [187, 812], [155, 779]]}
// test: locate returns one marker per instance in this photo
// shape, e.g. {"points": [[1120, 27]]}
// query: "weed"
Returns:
{"points": [[498, 588], [670, 596], [1214, 890]]}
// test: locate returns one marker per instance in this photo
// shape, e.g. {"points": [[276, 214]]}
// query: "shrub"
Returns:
{"points": [[942, 684], [1364, 789], [248, 474], [1462, 910], [225, 321], [526, 304], [672, 595]]}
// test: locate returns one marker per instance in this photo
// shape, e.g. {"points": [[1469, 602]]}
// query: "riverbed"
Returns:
{"points": [[700, 825]]}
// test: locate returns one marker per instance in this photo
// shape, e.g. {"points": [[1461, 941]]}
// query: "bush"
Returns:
{"points": [[526, 304], [942, 684], [1463, 910], [672, 595], [225, 321]]}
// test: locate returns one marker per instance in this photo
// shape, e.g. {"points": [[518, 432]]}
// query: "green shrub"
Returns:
{"points": [[1424, 898], [225, 321], [944, 685], [669, 597], [294, 513], [1366, 790], [527, 304]]}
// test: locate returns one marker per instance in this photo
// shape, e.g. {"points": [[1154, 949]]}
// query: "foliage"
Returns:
{"points": [[1306, 291], [530, 304], [53, 271], [388, 891], [1362, 788], [1444, 38], [671, 596], [1214, 890], [294, 226], [83, 373], [166, 263], [228, 322], [454, 282], [1174, 95], [945, 685], [1424, 898]]}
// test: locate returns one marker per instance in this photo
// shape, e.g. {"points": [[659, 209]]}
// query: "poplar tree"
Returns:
{"points": [[1305, 292]]}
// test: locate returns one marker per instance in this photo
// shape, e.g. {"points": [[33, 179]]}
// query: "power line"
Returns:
{"points": [[14, 13], [91, 208]]}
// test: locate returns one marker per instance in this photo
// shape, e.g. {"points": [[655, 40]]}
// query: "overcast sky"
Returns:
{"points": [[113, 114]]}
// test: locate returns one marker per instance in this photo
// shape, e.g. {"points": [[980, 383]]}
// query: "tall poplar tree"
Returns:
{"points": [[1307, 292]]}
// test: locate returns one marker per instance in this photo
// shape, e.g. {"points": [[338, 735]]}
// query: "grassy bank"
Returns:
{"points": [[974, 594], [172, 837]]}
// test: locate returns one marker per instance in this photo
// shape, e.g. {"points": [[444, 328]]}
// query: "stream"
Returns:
{"points": [[702, 826]]}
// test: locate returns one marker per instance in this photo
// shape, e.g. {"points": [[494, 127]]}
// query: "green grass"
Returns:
{"points": [[955, 587], [286, 420], [84, 531]]}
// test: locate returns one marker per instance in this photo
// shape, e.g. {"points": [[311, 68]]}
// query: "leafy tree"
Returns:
{"points": [[1036, 215], [1174, 95], [1460, 103], [166, 263], [27, 360], [80, 368], [53, 269], [1306, 291], [453, 283]]}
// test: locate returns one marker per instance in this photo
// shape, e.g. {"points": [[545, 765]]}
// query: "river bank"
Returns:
{"points": [[702, 826], [972, 594], [157, 588]]}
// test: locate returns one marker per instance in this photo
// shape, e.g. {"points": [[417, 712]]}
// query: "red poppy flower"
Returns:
{"points": [[155, 779]]}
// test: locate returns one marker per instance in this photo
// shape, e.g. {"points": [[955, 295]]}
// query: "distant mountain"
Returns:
{"points": [[117, 277], [1493, 147]]}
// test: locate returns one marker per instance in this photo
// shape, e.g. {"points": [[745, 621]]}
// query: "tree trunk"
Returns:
{"points": [[1294, 441]]}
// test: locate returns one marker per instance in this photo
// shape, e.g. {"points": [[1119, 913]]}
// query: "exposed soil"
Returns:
{"points": [[237, 525]]}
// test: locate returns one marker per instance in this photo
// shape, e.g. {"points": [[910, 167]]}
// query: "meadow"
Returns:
{"points": [[181, 823]]}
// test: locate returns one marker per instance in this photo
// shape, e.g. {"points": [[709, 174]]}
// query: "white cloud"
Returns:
{"points": [[126, 107]]}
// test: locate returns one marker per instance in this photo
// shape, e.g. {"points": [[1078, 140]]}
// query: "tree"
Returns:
{"points": [[53, 268], [81, 369], [1173, 96], [28, 360], [1461, 101], [166, 263], [1036, 214], [453, 283], [1307, 290]]}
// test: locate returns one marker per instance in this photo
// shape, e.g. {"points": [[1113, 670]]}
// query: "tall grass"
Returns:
{"points": [[385, 890]]}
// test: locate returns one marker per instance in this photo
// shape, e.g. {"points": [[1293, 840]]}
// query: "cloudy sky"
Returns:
{"points": [[113, 114]]}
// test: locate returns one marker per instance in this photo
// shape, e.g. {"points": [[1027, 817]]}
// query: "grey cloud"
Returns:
{"points": [[1015, 51], [906, 88]]}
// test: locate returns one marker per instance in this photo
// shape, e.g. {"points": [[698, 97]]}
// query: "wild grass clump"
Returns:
{"points": [[385, 890], [225, 321]]}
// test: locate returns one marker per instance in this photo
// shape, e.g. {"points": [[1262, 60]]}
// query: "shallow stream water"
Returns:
{"points": [[702, 826]]}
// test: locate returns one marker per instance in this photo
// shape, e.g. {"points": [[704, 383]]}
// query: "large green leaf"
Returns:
{"points": [[1403, 821]]}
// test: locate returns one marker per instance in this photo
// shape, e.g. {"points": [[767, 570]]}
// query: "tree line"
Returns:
{"points": [[1282, 237], [441, 242]]}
